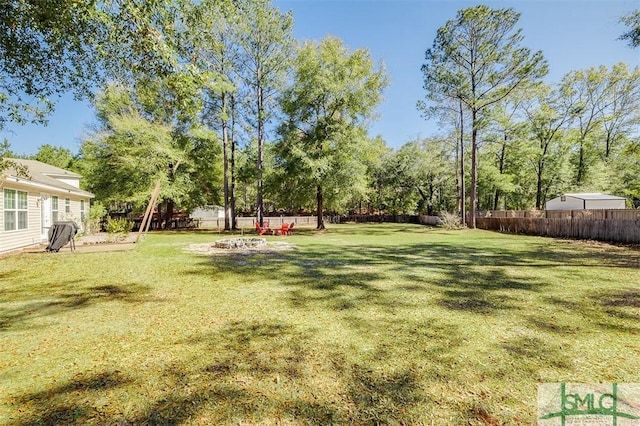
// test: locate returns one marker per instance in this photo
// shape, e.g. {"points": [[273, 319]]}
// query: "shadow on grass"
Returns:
{"points": [[68, 403], [379, 230], [251, 372], [553, 326], [534, 351], [242, 372], [245, 347], [628, 298], [485, 291], [269, 371], [7, 275], [383, 398], [620, 309], [610, 310], [19, 314], [466, 279], [462, 278]]}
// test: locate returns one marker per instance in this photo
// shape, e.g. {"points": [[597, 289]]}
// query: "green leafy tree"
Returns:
{"points": [[374, 159], [629, 172], [586, 92], [427, 169], [53, 47], [133, 150], [212, 44], [504, 150], [46, 48], [245, 179], [5, 149], [266, 47], [55, 156], [620, 107], [5, 162], [477, 58], [324, 137], [450, 111], [141, 38], [632, 20], [548, 113], [395, 186]]}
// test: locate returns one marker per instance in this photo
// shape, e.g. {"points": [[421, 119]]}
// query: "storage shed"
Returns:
{"points": [[586, 201]]}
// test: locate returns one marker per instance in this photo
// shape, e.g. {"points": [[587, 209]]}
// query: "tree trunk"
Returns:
{"points": [[430, 201], [320, 208], [225, 163], [581, 164], [259, 209], [496, 196], [426, 200], [457, 169], [168, 215], [608, 143], [232, 189], [539, 185], [471, 223], [544, 145], [463, 214]]}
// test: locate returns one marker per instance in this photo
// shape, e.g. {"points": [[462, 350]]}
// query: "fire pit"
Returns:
{"points": [[240, 243]]}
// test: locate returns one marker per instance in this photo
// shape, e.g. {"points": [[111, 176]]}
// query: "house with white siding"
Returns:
{"points": [[30, 202]]}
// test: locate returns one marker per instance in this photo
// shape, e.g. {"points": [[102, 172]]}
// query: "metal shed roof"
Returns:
{"points": [[595, 196]]}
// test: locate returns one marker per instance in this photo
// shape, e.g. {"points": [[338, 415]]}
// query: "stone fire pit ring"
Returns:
{"points": [[240, 243]]}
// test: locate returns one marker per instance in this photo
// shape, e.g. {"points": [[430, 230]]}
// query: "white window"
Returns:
{"points": [[67, 206], [54, 208], [16, 210], [82, 215]]}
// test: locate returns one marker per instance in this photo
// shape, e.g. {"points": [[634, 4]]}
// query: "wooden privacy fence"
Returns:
{"points": [[373, 218], [602, 225], [612, 230], [619, 214], [249, 222]]}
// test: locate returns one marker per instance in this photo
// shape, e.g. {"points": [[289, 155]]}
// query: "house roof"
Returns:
{"points": [[595, 196], [45, 176]]}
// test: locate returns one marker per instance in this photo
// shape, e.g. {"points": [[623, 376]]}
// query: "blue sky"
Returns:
{"points": [[572, 34]]}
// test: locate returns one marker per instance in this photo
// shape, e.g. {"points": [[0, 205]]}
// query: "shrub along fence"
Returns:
{"points": [[621, 226]]}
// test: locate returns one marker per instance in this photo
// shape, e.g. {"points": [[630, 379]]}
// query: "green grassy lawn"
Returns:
{"points": [[361, 324]]}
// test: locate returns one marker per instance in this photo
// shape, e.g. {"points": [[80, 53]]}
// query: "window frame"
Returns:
{"points": [[18, 208], [55, 208]]}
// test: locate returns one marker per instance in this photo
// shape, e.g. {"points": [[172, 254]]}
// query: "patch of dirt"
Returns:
{"points": [[601, 244], [103, 238], [211, 249]]}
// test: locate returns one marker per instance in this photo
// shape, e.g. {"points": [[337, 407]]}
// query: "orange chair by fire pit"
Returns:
{"points": [[262, 230], [284, 229]]}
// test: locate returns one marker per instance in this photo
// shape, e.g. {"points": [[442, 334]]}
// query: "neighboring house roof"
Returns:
{"points": [[595, 196], [45, 176]]}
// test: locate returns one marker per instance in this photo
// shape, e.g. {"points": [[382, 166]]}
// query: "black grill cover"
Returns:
{"points": [[60, 234]]}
